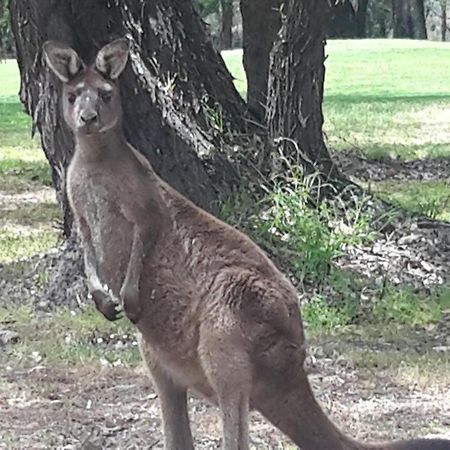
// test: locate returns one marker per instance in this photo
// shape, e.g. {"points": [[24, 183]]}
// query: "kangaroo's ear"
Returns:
{"points": [[62, 60], [112, 58]]}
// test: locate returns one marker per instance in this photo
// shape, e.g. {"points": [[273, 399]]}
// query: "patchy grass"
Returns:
{"points": [[413, 355], [23, 169], [348, 305], [428, 198], [17, 244], [67, 338], [31, 214]]}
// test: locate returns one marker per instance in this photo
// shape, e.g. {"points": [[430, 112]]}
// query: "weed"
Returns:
{"points": [[214, 115], [305, 235], [403, 306], [320, 315]]}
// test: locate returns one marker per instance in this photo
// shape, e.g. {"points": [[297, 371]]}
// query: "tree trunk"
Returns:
{"points": [[226, 32], [444, 20], [296, 84], [417, 9], [361, 18], [402, 20], [342, 24], [409, 19], [260, 24], [178, 96]]}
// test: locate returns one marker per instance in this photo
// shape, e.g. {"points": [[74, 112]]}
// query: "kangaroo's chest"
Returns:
{"points": [[98, 201]]}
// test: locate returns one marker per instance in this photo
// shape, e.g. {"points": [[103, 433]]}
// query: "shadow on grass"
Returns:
{"points": [[386, 97], [382, 152]]}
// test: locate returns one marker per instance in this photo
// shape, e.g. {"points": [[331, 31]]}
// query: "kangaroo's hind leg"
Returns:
{"points": [[173, 403], [228, 370]]}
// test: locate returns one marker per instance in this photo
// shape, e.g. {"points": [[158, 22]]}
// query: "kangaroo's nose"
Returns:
{"points": [[89, 117]]}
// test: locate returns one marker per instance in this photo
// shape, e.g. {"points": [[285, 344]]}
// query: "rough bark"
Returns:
{"points": [[178, 96], [296, 84], [409, 19], [260, 25], [226, 31]]}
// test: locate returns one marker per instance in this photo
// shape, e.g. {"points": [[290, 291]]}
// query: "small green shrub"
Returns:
{"points": [[303, 235]]}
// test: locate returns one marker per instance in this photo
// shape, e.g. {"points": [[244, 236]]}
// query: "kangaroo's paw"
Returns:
{"points": [[106, 305]]}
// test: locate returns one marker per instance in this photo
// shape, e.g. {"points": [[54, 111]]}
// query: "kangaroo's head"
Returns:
{"points": [[91, 98]]}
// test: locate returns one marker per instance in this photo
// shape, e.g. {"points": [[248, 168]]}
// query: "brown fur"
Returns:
{"points": [[213, 312]]}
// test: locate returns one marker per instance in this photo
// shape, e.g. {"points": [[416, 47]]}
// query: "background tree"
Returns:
{"points": [[342, 23], [226, 32], [443, 14], [296, 85], [6, 36], [409, 19], [260, 24], [361, 9]]}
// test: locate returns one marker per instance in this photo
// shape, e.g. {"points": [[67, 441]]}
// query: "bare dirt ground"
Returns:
{"points": [[45, 407]]}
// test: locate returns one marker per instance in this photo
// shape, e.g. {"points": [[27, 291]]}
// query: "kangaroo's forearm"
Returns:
{"points": [[130, 288], [136, 261]]}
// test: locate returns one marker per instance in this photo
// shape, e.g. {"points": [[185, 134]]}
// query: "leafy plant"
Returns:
{"points": [[320, 315], [403, 306], [303, 234]]}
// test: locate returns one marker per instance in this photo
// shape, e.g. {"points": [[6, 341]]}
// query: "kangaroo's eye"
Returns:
{"points": [[107, 97], [72, 98]]}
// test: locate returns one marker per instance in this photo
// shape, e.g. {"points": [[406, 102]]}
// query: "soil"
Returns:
{"points": [[68, 408]]}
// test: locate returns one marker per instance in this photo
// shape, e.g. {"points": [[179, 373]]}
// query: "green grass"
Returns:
{"points": [[15, 125], [23, 169], [66, 338], [428, 198], [27, 222], [388, 97], [18, 244]]}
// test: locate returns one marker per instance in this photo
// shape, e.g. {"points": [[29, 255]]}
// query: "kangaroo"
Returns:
{"points": [[213, 313]]}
